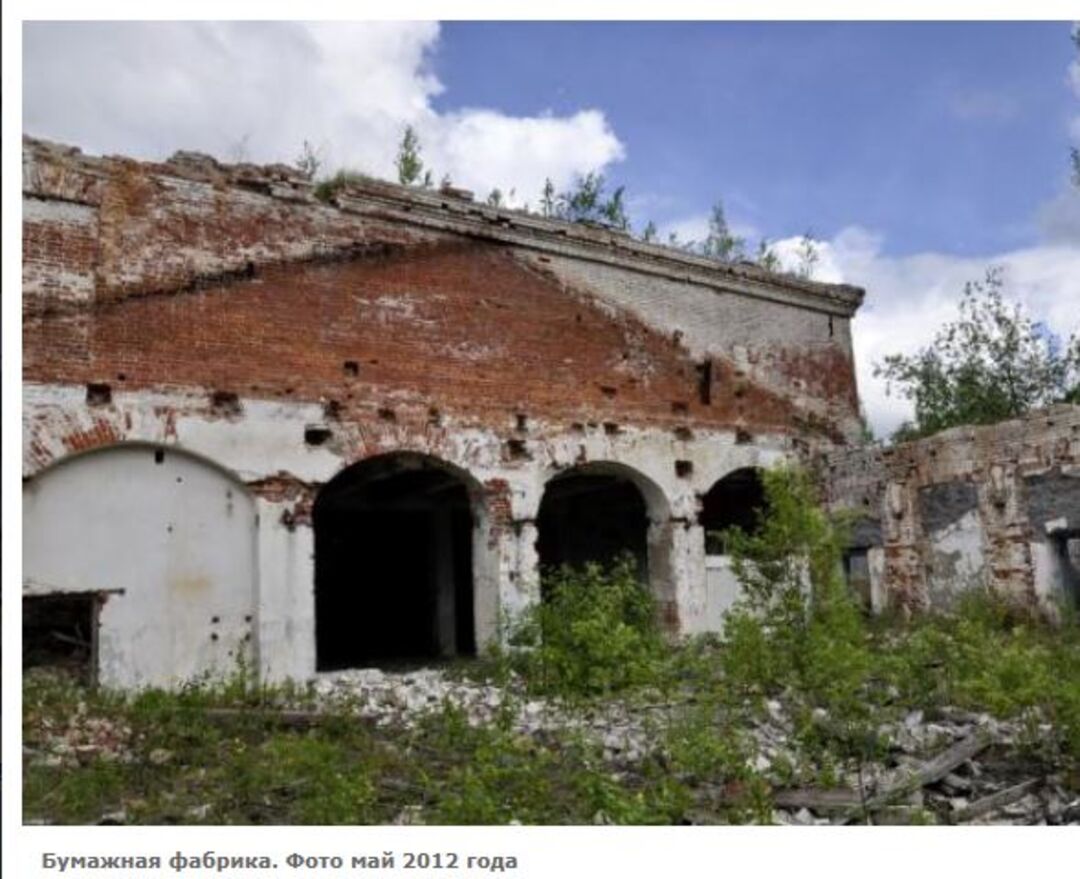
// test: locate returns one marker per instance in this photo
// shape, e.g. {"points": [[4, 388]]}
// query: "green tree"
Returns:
{"points": [[410, 166], [809, 256], [650, 233], [309, 161], [586, 203], [766, 256], [582, 203], [548, 199], [720, 244], [614, 210], [994, 362]]}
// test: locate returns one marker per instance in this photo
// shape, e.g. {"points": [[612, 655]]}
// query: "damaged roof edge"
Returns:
{"points": [[452, 211]]}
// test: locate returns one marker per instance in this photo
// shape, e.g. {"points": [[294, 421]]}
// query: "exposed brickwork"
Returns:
{"points": [[193, 275], [463, 329]]}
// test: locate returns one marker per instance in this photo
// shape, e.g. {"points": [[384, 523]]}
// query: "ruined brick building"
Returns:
{"points": [[263, 428]]}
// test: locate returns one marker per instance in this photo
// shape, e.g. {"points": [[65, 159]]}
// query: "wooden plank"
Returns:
{"points": [[997, 800], [927, 773]]}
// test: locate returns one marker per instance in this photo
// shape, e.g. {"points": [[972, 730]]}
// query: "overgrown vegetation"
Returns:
{"points": [[587, 200], [594, 633], [796, 647], [993, 363]]}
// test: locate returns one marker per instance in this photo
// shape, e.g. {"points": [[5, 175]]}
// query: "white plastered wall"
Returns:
{"points": [[267, 439]]}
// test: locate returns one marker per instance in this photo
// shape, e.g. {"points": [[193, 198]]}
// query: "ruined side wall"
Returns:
{"points": [[986, 507]]}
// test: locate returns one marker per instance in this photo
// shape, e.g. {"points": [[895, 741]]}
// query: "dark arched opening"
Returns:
{"points": [[736, 501], [588, 516], [393, 564]]}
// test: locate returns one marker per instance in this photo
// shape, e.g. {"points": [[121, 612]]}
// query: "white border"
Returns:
{"points": [[882, 852]]}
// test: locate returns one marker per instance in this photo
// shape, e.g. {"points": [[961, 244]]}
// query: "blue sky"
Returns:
{"points": [[944, 136], [918, 154]]}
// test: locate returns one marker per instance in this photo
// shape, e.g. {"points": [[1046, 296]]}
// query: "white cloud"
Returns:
{"points": [[261, 88], [910, 297]]}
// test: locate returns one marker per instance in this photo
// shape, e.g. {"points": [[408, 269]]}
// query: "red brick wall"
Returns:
{"points": [[466, 329]]}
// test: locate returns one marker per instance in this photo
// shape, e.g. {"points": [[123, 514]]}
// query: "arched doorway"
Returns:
{"points": [[148, 553], [735, 501], [394, 563], [597, 513]]}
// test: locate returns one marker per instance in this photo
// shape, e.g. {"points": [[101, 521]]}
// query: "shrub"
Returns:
{"points": [[594, 632]]}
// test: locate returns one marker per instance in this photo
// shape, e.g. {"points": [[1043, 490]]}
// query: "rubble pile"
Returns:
{"points": [[952, 767], [948, 766]]}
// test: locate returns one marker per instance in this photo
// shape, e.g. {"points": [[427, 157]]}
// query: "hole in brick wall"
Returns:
{"points": [[225, 403], [98, 394], [611, 428], [121, 377], [677, 336], [743, 437], [683, 433], [60, 631], [705, 378], [680, 408], [608, 391], [351, 367], [521, 421], [159, 456], [434, 416], [332, 409], [316, 434], [830, 326], [517, 450], [684, 469], [577, 427], [387, 414]]}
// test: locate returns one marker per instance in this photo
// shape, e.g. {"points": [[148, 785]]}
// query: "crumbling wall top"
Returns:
{"points": [[57, 171]]}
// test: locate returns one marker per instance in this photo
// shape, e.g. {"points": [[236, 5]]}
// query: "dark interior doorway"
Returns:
{"points": [[736, 501], [1067, 547], [592, 517], [393, 564]]}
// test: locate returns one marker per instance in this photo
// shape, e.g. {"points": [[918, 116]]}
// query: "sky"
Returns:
{"points": [[918, 154]]}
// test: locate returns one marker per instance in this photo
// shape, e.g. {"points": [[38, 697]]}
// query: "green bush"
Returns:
{"points": [[593, 633]]}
